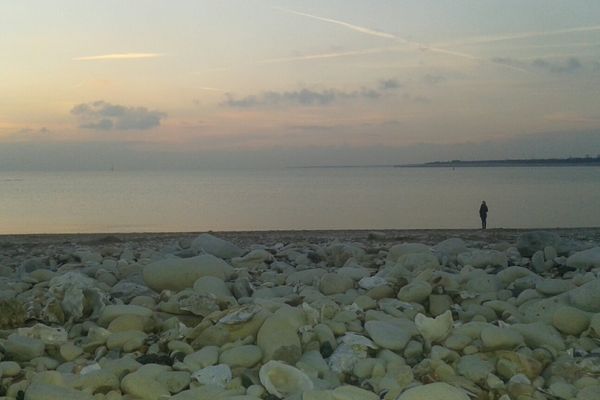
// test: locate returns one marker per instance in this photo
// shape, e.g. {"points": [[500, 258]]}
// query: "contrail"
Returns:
{"points": [[342, 23], [523, 35], [119, 56], [317, 56], [320, 56], [412, 44], [367, 31]]}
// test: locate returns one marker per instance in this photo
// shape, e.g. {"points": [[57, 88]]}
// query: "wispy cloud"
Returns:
{"points": [[119, 56], [571, 65], [308, 97]]}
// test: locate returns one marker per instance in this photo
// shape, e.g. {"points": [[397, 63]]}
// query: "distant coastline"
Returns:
{"points": [[533, 162]]}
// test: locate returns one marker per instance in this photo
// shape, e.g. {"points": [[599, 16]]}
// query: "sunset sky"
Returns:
{"points": [[269, 83]]}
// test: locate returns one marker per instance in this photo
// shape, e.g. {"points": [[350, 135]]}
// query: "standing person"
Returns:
{"points": [[483, 210]]}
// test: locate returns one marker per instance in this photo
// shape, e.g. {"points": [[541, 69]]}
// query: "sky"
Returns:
{"points": [[271, 83]]}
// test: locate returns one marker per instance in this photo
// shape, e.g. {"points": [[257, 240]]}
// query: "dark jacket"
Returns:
{"points": [[483, 210]]}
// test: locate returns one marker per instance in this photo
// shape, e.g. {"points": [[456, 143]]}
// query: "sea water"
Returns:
{"points": [[298, 198]]}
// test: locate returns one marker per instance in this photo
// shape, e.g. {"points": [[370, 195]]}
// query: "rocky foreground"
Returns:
{"points": [[338, 316]]}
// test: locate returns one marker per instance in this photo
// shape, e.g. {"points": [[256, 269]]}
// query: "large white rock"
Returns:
{"points": [[180, 273], [434, 330], [589, 258], [216, 246], [283, 380], [434, 391], [278, 336]]}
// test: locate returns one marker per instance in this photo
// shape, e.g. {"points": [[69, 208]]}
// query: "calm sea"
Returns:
{"points": [[308, 198]]}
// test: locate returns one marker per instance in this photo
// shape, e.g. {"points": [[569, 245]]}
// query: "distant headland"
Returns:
{"points": [[533, 162]]}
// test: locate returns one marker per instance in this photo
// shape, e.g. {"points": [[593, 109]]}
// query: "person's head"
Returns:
{"points": [[483, 202]]}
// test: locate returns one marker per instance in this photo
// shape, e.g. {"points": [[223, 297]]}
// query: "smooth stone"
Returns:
{"points": [[278, 337], [9, 368], [570, 320], [415, 292], [474, 367], [97, 381], [258, 258], [124, 323], [530, 242], [144, 384], [495, 338], [439, 303], [483, 259], [211, 285], [434, 391], [283, 380], [449, 249], [348, 392], [216, 246], [587, 296], [245, 356], [538, 262], [399, 250], [539, 334], [215, 375], [589, 258], [419, 261], [69, 351], [332, 283], [130, 340], [22, 348], [553, 287], [112, 311], [387, 335], [205, 357], [305, 277], [181, 273], [43, 391], [434, 330]]}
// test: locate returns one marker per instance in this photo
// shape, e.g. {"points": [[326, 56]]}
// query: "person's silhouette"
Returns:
{"points": [[483, 210]]}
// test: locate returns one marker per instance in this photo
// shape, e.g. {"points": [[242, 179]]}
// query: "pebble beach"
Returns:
{"points": [[302, 315]]}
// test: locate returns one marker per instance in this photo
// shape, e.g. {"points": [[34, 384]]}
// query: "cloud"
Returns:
{"points": [[434, 79], [389, 84], [571, 65], [308, 97], [103, 116], [119, 56]]}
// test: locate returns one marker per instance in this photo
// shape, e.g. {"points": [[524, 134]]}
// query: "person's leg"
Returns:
{"points": [[484, 222]]}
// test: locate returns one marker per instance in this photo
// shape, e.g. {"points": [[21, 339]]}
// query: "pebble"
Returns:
{"points": [[316, 319]]}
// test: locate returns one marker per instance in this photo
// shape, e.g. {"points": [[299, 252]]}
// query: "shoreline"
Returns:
{"points": [[427, 236]]}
